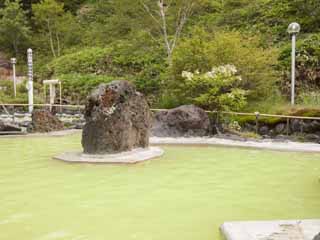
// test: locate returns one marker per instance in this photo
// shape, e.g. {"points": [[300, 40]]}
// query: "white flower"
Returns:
{"points": [[187, 75], [210, 75], [231, 68]]}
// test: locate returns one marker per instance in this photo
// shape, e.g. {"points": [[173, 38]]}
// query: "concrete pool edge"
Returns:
{"points": [[130, 157], [264, 144], [305, 229]]}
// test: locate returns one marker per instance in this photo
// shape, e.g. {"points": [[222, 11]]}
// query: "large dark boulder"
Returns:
{"points": [[45, 121], [118, 119], [184, 121]]}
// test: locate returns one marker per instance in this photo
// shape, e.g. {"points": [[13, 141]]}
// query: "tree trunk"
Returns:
{"points": [[51, 40]]}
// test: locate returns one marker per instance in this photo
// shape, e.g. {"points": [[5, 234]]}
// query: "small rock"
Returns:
{"points": [[317, 237], [249, 127], [312, 137], [79, 126], [45, 121], [8, 127], [280, 128], [296, 126], [264, 130], [281, 138], [312, 126]]}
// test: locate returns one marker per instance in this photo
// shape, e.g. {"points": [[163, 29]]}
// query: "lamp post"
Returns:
{"points": [[13, 62], [293, 30], [30, 81]]}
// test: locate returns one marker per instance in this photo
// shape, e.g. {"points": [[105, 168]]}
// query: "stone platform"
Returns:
{"points": [[271, 230], [131, 157]]}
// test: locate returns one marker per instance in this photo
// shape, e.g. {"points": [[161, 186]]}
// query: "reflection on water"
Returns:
{"points": [[185, 195]]}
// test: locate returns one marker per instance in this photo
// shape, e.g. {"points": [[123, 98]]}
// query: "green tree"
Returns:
{"points": [[14, 27], [55, 25], [169, 19]]}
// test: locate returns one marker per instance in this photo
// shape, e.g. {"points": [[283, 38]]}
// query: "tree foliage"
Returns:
{"points": [[151, 42], [54, 25], [14, 28]]}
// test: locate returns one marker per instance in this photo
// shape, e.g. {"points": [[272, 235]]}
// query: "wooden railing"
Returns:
{"points": [[41, 105], [257, 115]]}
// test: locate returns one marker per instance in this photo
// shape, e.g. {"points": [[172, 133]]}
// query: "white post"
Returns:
{"points": [[293, 69], [60, 96], [14, 61], [52, 94], [30, 82]]}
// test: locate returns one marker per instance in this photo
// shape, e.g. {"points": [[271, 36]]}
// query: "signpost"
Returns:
{"points": [[30, 80], [13, 62]]}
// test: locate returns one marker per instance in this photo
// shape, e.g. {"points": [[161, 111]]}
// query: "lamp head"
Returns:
{"points": [[294, 28]]}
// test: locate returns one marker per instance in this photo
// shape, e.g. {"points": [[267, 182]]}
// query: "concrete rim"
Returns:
{"points": [[130, 157]]}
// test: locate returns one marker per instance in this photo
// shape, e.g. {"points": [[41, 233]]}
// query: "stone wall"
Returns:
{"points": [[24, 120], [305, 130]]}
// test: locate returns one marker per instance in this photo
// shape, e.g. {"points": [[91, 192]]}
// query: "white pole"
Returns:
{"points": [[14, 79], [293, 69], [30, 82], [60, 101]]}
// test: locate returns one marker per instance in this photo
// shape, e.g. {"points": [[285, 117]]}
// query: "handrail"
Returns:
{"points": [[256, 114], [267, 115], [42, 105]]}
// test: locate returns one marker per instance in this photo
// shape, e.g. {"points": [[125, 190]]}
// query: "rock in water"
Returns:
{"points": [[118, 119], [45, 121], [184, 121]]}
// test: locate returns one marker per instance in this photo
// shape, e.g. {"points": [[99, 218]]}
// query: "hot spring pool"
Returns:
{"points": [[184, 195]]}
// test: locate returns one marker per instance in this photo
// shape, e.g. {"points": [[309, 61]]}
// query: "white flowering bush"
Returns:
{"points": [[217, 89]]}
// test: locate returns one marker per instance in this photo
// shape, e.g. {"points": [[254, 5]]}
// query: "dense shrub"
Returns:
{"points": [[255, 64], [311, 98], [77, 86], [215, 90], [87, 61], [121, 60], [7, 93]]}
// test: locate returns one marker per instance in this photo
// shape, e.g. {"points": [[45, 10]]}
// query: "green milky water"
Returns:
{"points": [[185, 195]]}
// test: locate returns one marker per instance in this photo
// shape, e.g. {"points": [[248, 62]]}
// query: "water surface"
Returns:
{"points": [[185, 195]]}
